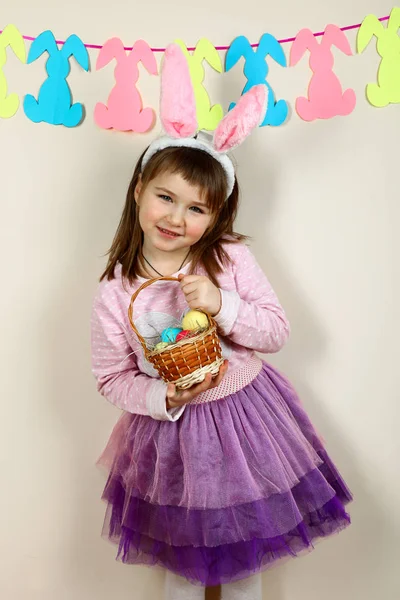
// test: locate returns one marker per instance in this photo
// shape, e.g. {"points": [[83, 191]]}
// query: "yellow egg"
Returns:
{"points": [[161, 346], [194, 319]]}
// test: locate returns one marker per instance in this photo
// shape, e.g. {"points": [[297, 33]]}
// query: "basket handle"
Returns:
{"points": [[134, 296]]}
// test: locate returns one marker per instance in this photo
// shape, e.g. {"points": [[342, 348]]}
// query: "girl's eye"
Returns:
{"points": [[165, 197], [197, 210]]}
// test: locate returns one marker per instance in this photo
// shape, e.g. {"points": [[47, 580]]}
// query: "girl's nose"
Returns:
{"points": [[176, 217]]}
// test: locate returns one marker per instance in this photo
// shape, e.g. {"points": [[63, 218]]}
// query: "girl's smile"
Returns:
{"points": [[167, 233]]}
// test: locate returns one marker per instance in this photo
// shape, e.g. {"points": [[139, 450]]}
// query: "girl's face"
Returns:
{"points": [[172, 213]]}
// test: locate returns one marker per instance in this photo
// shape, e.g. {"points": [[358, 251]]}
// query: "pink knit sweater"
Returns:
{"points": [[251, 319]]}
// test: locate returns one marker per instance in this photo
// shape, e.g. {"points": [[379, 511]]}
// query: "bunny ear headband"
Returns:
{"points": [[178, 116]]}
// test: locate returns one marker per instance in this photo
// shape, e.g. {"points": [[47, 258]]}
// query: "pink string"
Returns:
{"points": [[284, 41]]}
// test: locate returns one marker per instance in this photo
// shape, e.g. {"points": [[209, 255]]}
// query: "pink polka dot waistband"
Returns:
{"points": [[232, 382]]}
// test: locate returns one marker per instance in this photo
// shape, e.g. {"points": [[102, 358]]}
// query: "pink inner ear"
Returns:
{"points": [[177, 104], [248, 113]]}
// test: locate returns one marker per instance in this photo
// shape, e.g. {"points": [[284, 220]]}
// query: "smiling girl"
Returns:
{"points": [[220, 481]]}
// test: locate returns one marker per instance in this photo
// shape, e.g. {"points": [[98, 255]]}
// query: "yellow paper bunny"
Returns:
{"points": [[387, 90], [208, 116], [10, 37]]}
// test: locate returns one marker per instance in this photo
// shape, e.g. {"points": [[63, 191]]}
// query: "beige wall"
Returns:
{"points": [[322, 202]]}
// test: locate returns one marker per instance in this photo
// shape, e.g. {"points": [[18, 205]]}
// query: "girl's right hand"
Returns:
{"points": [[177, 398]]}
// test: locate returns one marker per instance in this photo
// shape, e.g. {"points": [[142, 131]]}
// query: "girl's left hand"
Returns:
{"points": [[201, 293]]}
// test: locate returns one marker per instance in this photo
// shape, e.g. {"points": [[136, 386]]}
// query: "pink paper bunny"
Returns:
{"points": [[124, 110], [325, 96]]}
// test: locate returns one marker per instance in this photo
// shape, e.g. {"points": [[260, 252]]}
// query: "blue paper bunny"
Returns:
{"points": [[54, 101], [256, 71]]}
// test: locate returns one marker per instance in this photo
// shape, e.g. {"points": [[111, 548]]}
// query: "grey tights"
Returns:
{"points": [[178, 588], [244, 589]]}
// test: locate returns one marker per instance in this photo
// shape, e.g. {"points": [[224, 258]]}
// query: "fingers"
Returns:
{"points": [[193, 283], [221, 374], [188, 288], [185, 396], [185, 279], [180, 397], [170, 390], [210, 381], [191, 292], [170, 394], [192, 298], [177, 398], [204, 385]]}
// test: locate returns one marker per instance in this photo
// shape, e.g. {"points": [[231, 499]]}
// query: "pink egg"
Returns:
{"points": [[182, 334]]}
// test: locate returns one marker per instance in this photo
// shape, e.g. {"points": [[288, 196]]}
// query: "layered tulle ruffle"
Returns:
{"points": [[227, 490]]}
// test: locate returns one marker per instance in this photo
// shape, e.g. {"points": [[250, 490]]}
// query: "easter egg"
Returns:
{"points": [[169, 334], [182, 335], [161, 346], [194, 319]]}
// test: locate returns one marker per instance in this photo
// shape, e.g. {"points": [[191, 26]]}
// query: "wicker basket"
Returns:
{"points": [[188, 361]]}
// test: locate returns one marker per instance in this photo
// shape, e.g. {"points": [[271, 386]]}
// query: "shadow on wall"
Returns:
{"points": [[87, 421]]}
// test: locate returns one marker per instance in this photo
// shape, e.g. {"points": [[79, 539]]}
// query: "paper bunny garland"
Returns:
{"points": [[178, 116]]}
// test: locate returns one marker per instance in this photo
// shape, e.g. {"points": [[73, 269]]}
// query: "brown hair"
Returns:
{"points": [[200, 169]]}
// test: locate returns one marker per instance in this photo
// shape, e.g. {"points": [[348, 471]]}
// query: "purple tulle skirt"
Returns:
{"points": [[229, 489]]}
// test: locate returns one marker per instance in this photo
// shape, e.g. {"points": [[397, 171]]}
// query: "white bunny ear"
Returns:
{"points": [[177, 104], [248, 113]]}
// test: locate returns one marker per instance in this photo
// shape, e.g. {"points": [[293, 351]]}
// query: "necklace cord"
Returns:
{"points": [[158, 272]]}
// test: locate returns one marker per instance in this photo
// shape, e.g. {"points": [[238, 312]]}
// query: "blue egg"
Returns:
{"points": [[169, 334]]}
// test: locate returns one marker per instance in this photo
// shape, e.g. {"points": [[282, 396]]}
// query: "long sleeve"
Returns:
{"points": [[251, 315], [116, 371]]}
